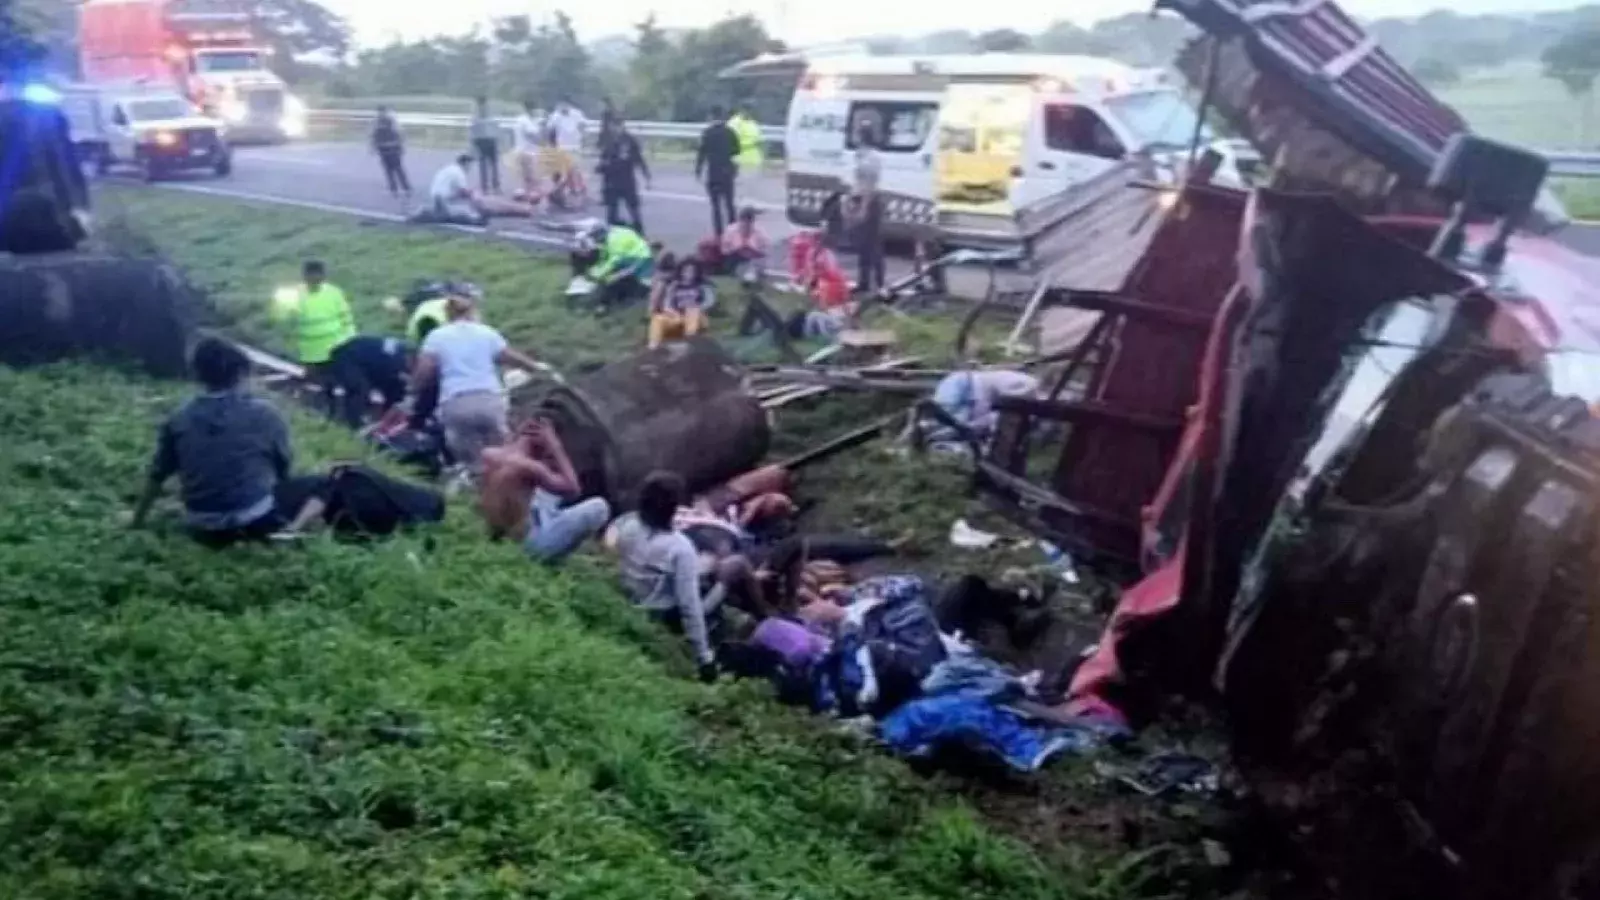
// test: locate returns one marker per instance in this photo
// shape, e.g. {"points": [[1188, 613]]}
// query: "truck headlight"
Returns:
{"points": [[164, 139]]}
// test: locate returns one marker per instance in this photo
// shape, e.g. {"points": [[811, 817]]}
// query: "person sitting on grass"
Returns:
{"points": [[660, 567], [524, 483], [744, 244], [817, 271], [679, 303], [230, 452]]}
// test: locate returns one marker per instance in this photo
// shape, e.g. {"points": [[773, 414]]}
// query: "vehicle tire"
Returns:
{"points": [[224, 166]]}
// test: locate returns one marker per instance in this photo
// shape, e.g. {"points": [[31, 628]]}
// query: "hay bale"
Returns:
{"points": [[88, 303]]}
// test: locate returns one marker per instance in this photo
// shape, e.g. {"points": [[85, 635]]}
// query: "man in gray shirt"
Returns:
{"points": [[486, 141], [229, 449], [660, 567]]}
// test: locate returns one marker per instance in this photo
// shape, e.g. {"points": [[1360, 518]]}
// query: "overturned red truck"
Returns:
{"points": [[1339, 435]]}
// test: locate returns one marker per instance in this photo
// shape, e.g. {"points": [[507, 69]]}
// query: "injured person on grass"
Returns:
{"points": [[230, 452], [524, 485]]}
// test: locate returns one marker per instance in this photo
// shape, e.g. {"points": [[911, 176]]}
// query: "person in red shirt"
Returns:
{"points": [[816, 269]]}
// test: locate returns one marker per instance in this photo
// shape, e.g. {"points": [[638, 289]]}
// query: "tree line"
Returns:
{"points": [[670, 74]]}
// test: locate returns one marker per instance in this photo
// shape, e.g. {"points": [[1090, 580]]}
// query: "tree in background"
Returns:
{"points": [[1003, 40], [1574, 61], [677, 79], [1436, 72]]}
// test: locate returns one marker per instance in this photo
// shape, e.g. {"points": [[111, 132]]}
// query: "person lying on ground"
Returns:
{"points": [[230, 451], [969, 396], [678, 304], [744, 244], [623, 264], [371, 363], [524, 483], [660, 567], [462, 359], [452, 200]]}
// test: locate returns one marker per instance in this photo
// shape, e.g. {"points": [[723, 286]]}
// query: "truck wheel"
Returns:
{"points": [[224, 166]]}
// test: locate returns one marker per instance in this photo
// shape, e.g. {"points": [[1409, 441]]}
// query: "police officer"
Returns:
{"points": [[46, 207], [620, 165]]}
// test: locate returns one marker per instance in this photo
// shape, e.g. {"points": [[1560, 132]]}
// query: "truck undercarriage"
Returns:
{"points": [[1328, 453]]}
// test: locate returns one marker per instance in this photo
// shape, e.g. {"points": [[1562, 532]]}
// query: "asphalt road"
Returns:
{"points": [[346, 178]]}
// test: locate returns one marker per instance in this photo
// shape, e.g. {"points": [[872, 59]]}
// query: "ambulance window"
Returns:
{"points": [[1076, 129], [896, 127]]}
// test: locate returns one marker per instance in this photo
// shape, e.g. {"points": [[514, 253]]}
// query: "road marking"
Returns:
{"points": [[542, 240]]}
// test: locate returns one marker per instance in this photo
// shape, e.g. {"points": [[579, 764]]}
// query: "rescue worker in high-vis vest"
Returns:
{"points": [[619, 261], [751, 154], [322, 322], [428, 315]]}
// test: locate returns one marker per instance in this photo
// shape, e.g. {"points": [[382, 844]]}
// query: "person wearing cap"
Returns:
{"points": [[320, 318], [743, 243], [624, 264], [463, 358]]}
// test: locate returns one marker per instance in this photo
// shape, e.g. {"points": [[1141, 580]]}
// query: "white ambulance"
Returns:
{"points": [[964, 142]]}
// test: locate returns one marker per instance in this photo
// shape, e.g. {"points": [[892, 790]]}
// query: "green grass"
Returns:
{"points": [[411, 720], [434, 717], [240, 252]]}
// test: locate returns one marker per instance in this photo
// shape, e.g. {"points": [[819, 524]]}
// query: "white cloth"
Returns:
{"points": [[568, 126], [526, 133], [450, 185], [468, 355], [970, 396], [868, 168]]}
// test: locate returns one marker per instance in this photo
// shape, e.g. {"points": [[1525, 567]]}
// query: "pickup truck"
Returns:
{"points": [[158, 133]]}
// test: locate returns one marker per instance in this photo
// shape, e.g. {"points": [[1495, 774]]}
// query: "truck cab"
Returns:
{"points": [[205, 50]]}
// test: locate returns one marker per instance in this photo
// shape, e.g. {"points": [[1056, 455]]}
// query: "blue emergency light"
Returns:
{"points": [[41, 94]]}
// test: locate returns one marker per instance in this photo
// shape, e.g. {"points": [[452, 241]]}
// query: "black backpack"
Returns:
{"points": [[364, 502]]}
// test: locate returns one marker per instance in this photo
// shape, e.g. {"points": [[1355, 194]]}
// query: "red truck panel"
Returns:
{"points": [[123, 41]]}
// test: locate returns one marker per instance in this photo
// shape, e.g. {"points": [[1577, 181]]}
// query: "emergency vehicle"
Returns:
{"points": [[965, 143], [207, 50]]}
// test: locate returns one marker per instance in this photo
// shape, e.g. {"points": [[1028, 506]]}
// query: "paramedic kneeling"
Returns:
{"points": [[524, 483], [230, 451], [625, 266]]}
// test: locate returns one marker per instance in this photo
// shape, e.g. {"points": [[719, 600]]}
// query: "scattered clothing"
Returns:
{"points": [[970, 719], [794, 644]]}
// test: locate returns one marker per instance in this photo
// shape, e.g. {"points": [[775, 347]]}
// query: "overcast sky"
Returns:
{"points": [[806, 21]]}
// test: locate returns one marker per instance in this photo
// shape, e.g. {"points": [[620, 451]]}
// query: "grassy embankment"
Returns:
{"points": [[428, 718]]}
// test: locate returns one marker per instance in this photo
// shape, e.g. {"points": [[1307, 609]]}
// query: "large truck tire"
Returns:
{"points": [[87, 303]]}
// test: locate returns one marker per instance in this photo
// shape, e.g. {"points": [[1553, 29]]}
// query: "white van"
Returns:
{"points": [[963, 142]]}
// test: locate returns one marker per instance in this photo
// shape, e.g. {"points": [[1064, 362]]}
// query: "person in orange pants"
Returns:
{"points": [[679, 302]]}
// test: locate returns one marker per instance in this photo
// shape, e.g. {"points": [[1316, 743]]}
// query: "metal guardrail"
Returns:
{"points": [[687, 131], [1563, 163]]}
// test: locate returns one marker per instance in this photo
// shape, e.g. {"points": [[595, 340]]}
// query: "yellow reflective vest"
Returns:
{"points": [[322, 321], [428, 315], [751, 153]]}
